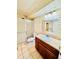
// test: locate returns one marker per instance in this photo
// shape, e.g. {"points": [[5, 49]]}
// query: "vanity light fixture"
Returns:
{"points": [[52, 16]]}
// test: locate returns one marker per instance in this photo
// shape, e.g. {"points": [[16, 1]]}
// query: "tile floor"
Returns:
{"points": [[27, 51]]}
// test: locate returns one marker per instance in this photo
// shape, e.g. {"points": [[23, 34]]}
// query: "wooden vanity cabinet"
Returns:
{"points": [[45, 50]]}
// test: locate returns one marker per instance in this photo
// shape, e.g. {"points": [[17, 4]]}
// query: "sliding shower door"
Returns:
{"points": [[21, 30]]}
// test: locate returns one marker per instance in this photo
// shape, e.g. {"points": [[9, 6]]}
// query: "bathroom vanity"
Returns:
{"points": [[47, 47]]}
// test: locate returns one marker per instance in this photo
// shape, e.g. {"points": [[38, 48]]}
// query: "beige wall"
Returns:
{"points": [[57, 28], [38, 27]]}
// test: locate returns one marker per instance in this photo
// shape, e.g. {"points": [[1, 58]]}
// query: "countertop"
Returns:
{"points": [[49, 40]]}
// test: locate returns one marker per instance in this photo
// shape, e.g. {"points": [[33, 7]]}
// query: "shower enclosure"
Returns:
{"points": [[24, 29]]}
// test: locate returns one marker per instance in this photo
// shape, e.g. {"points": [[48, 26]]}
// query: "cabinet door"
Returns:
{"points": [[42, 51], [50, 55]]}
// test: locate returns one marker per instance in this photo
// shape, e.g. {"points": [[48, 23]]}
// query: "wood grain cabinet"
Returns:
{"points": [[45, 50]]}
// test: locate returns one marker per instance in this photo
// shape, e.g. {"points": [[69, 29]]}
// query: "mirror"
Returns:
{"points": [[52, 23]]}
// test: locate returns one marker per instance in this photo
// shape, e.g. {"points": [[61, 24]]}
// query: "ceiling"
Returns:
{"points": [[51, 7], [29, 7]]}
